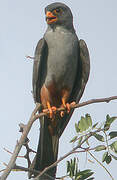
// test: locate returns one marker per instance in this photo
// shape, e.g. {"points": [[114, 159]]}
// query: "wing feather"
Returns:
{"points": [[85, 68], [39, 68], [80, 82]]}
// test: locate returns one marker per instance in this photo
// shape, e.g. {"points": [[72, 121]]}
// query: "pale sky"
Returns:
{"points": [[22, 25]]}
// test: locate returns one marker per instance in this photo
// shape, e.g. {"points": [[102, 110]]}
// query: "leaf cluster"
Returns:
{"points": [[75, 174], [105, 140]]}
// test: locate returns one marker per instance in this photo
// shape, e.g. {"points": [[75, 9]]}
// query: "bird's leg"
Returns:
{"points": [[66, 105], [64, 98], [51, 109], [45, 99]]}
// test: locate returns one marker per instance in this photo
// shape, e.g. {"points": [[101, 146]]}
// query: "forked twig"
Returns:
{"points": [[35, 116]]}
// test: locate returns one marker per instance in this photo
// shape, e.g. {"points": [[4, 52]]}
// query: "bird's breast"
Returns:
{"points": [[62, 58]]}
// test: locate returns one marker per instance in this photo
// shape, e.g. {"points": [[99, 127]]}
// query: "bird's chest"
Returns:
{"points": [[62, 58], [59, 43]]}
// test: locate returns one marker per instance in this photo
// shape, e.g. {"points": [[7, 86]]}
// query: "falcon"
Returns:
{"points": [[60, 73]]}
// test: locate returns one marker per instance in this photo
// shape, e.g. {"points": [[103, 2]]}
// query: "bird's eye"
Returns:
{"points": [[56, 11]]}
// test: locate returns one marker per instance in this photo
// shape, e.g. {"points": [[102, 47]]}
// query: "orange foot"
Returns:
{"points": [[67, 106], [51, 109]]}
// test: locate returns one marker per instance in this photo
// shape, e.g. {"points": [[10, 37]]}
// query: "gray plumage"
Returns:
{"points": [[61, 59]]}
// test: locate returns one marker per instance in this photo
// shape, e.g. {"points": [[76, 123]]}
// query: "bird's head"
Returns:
{"points": [[59, 14]]}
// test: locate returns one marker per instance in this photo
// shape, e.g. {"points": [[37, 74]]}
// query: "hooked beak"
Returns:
{"points": [[50, 18]]}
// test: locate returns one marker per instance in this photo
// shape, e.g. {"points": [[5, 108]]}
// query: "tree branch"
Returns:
{"points": [[73, 106], [69, 153], [19, 144], [35, 116], [20, 168], [101, 164]]}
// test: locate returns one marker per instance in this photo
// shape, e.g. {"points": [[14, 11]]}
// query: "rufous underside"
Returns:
{"points": [[53, 96]]}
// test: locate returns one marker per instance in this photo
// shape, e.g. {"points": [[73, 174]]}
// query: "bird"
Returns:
{"points": [[60, 73]]}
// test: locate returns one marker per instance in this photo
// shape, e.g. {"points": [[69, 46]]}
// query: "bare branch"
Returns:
{"points": [[69, 153], [101, 164], [12, 153], [35, 116], [73, 106], [2, 171], [20, 168], [19, 144], [29, 57]]}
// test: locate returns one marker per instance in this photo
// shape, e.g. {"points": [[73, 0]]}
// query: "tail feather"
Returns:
{"points": [[47, 151]]}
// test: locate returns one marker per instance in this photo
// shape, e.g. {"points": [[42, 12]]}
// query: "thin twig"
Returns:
{"points": [[69, 153], [73, 106], [2, 170], [101, 164], [29, 57], [30, 170], [63, 177], [107, 142], [12, 153], [19, 144], [35, 116]]}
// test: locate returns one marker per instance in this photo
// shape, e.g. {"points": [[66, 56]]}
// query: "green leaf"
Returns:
{"points": [[80, 140], [74, 139], [114, 157], [84, 174], [71, 173], [87, 142], [85, 171], [113, 134], [94, 126], [72, 167], [99, 137], [88, 119], [68, 166], [108, 159], [76, 127], [77, 177], [113, 146], [100, 148], [86, 137], [83, 124], [104, 156], [109, 121]]}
